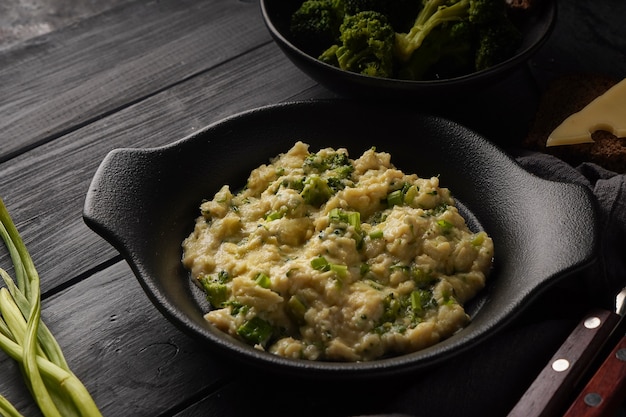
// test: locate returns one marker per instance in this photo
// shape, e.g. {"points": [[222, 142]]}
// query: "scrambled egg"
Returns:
{"points": [[322, 257]]}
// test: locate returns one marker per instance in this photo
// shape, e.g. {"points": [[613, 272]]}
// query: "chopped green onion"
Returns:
{"points": [[263, 280], [340, 270], [376, 234], [421, 300], [320, 264], [410, 194], [275, 215], [297, 309], [395, 198]]}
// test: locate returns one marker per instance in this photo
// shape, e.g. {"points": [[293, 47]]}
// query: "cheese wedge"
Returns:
{"points": [[606, 112]]}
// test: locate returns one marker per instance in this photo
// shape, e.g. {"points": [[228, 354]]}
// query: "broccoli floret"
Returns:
{"points": [[482, 12], [447, 52], [315, 24], [496, 43], [215, 288], [316, 191], [366, 45], [454, 37], [256, 331], [400, 13], [433, 14], [329, 56]]}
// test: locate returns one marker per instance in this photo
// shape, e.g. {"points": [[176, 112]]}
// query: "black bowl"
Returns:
{"points": [[144, 202], [277, 14]]}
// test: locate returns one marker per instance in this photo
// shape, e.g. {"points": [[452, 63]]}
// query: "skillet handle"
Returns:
{"points": [[112, 198]]}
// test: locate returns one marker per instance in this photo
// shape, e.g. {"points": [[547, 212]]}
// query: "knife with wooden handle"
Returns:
{"points": [[550, 392], [606, 390]]}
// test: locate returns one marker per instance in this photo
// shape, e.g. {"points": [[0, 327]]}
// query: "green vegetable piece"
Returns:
{"points": [[444, 224], [297, 309], [497, 42], [215, 288], [421, 300], [410, 194], [455, 37], [315, 24], [297, 185], [223, 277], [275, 215], [216, 293], [422, 278], [255, 331], [316, 191], [395, 198], [263, 280], [416, 301], [351, 218], [376, 234], [354, 219], [36, 350], [400, 13], [320, 264], [479, 239], [365, 45], [340, 270], [391, 308]]}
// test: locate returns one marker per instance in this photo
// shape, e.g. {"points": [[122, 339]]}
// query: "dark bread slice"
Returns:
{"points": [[567, 95]]}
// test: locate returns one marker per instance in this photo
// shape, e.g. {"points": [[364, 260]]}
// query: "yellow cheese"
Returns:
{"points": [[606, 112]]}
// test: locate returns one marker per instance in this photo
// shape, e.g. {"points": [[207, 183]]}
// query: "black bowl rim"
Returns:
{"points": [[549, 8]]}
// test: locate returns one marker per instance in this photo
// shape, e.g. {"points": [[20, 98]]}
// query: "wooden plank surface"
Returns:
{"points": [[112, 334], [51, 205], [115, 59], [151, 72]]}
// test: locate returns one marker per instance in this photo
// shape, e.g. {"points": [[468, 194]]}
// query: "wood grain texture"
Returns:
{"points": [[554, 386], [130, 358], [93, 69], [605, 392], [150, 73], [50, 206]]}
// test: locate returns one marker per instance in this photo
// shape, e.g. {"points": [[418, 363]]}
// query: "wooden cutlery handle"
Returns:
{"points": [[554, 385], [606, 390]]}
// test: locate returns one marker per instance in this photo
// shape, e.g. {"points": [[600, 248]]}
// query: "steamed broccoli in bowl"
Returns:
{"points": [[407, 39], [365, 45]]}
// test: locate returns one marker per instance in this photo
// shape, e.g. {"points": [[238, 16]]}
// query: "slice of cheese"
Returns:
{"points": [[606, 112]]}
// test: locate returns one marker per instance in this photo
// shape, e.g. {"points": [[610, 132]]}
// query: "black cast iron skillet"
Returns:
{"points": [[144, 202]]}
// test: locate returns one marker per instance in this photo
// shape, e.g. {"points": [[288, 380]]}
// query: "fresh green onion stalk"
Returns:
{"points": [[25, 338]]}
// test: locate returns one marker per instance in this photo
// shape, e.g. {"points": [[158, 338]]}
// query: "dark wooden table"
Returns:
{"points": [[147, 73]]}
